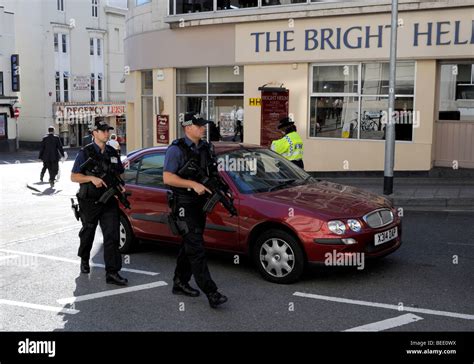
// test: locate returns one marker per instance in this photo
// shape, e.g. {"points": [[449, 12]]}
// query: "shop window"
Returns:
{"points": [[216, 93], [456, 91], [151, 170], [191, 81], [335, 79], [3, 127], [339, 109]]}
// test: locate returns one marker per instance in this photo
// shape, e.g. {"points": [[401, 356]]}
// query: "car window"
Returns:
{"points": [[260, 170], [151, 170], [130, 174]]}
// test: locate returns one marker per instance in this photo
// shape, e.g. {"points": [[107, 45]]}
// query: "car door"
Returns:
{"points": [[149, 198], [222, 230]]}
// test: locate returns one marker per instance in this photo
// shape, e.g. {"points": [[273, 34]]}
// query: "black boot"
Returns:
{"points": [[115, 278], [85, 268], [216, 299], [184, 289]]}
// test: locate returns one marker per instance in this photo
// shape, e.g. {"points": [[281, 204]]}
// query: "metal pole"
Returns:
{"points": [[390, 126]]}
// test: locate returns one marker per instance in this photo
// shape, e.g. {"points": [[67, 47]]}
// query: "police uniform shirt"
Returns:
{"points": [[175, 159], [81, 159]]}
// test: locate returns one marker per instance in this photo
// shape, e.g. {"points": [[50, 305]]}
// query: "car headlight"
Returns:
{"points": [[337, 227], [354, 225]]}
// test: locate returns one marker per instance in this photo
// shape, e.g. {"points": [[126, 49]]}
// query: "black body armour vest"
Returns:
{"points": [[204, 159], [89, 190]]}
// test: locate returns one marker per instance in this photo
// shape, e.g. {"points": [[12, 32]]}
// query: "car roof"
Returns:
{"points": [[220, 147]]}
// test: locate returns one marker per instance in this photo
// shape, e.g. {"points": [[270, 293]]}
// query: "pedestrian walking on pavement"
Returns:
{"points": [[50, 153]]}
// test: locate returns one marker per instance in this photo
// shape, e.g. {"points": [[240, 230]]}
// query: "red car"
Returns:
{"points": [[287, 219]]}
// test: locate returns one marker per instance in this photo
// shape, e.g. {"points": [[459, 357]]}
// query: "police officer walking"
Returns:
{"points": [[92, 213], [189, 200], [50, 152], [291, 145]]}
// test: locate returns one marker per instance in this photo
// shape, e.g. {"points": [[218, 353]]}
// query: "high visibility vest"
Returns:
{"points": [[290, 146]]}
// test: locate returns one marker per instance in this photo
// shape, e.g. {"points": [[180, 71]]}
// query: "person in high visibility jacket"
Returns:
{"points": [[291, 145]]}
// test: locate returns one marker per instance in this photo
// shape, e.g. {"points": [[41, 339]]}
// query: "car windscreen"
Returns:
{"points": [[260, 170]]}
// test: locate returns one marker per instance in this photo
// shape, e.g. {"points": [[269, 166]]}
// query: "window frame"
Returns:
{"points": [[57, 83], [2, 87], [60, 5], [92, 87]]}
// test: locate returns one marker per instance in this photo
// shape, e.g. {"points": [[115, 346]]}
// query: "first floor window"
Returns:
{"points": [[99, 47], [91, 46], [60, 5]]}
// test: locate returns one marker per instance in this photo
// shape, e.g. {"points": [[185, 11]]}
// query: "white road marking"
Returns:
{"points": [[6, 257], [6, 162], [384, 305], [32, 160], [40, 236], [113, 292], [389, 323], [76, 261], [39, 307]]}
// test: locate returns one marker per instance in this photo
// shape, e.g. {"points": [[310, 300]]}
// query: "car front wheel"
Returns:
{"points": [[279, 257], [127, 242]]}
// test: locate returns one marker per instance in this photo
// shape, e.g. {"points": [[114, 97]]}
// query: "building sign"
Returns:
{"points": [[162, 129], [15, 60], [442, 34], [255, 101], [81, 83], [274, 108], [87, 111]]}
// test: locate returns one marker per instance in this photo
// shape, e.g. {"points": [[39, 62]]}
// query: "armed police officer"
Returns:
{"points": [[291, 145], [95, 164], [189, 200]]}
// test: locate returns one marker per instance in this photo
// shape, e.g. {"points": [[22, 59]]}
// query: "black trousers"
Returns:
{"points": [[299, 163], [192, 256], [52, 167], [107, 216]]}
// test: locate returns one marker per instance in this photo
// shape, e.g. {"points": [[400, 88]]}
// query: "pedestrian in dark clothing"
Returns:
{"points": [[50, 153]]}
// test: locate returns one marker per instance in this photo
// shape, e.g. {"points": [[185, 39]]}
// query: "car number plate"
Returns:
{"points": [[385, 236]]}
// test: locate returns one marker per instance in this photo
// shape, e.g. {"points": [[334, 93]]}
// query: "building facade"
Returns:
{"points": [[9, 81], [72, 67], [323, 63]]}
